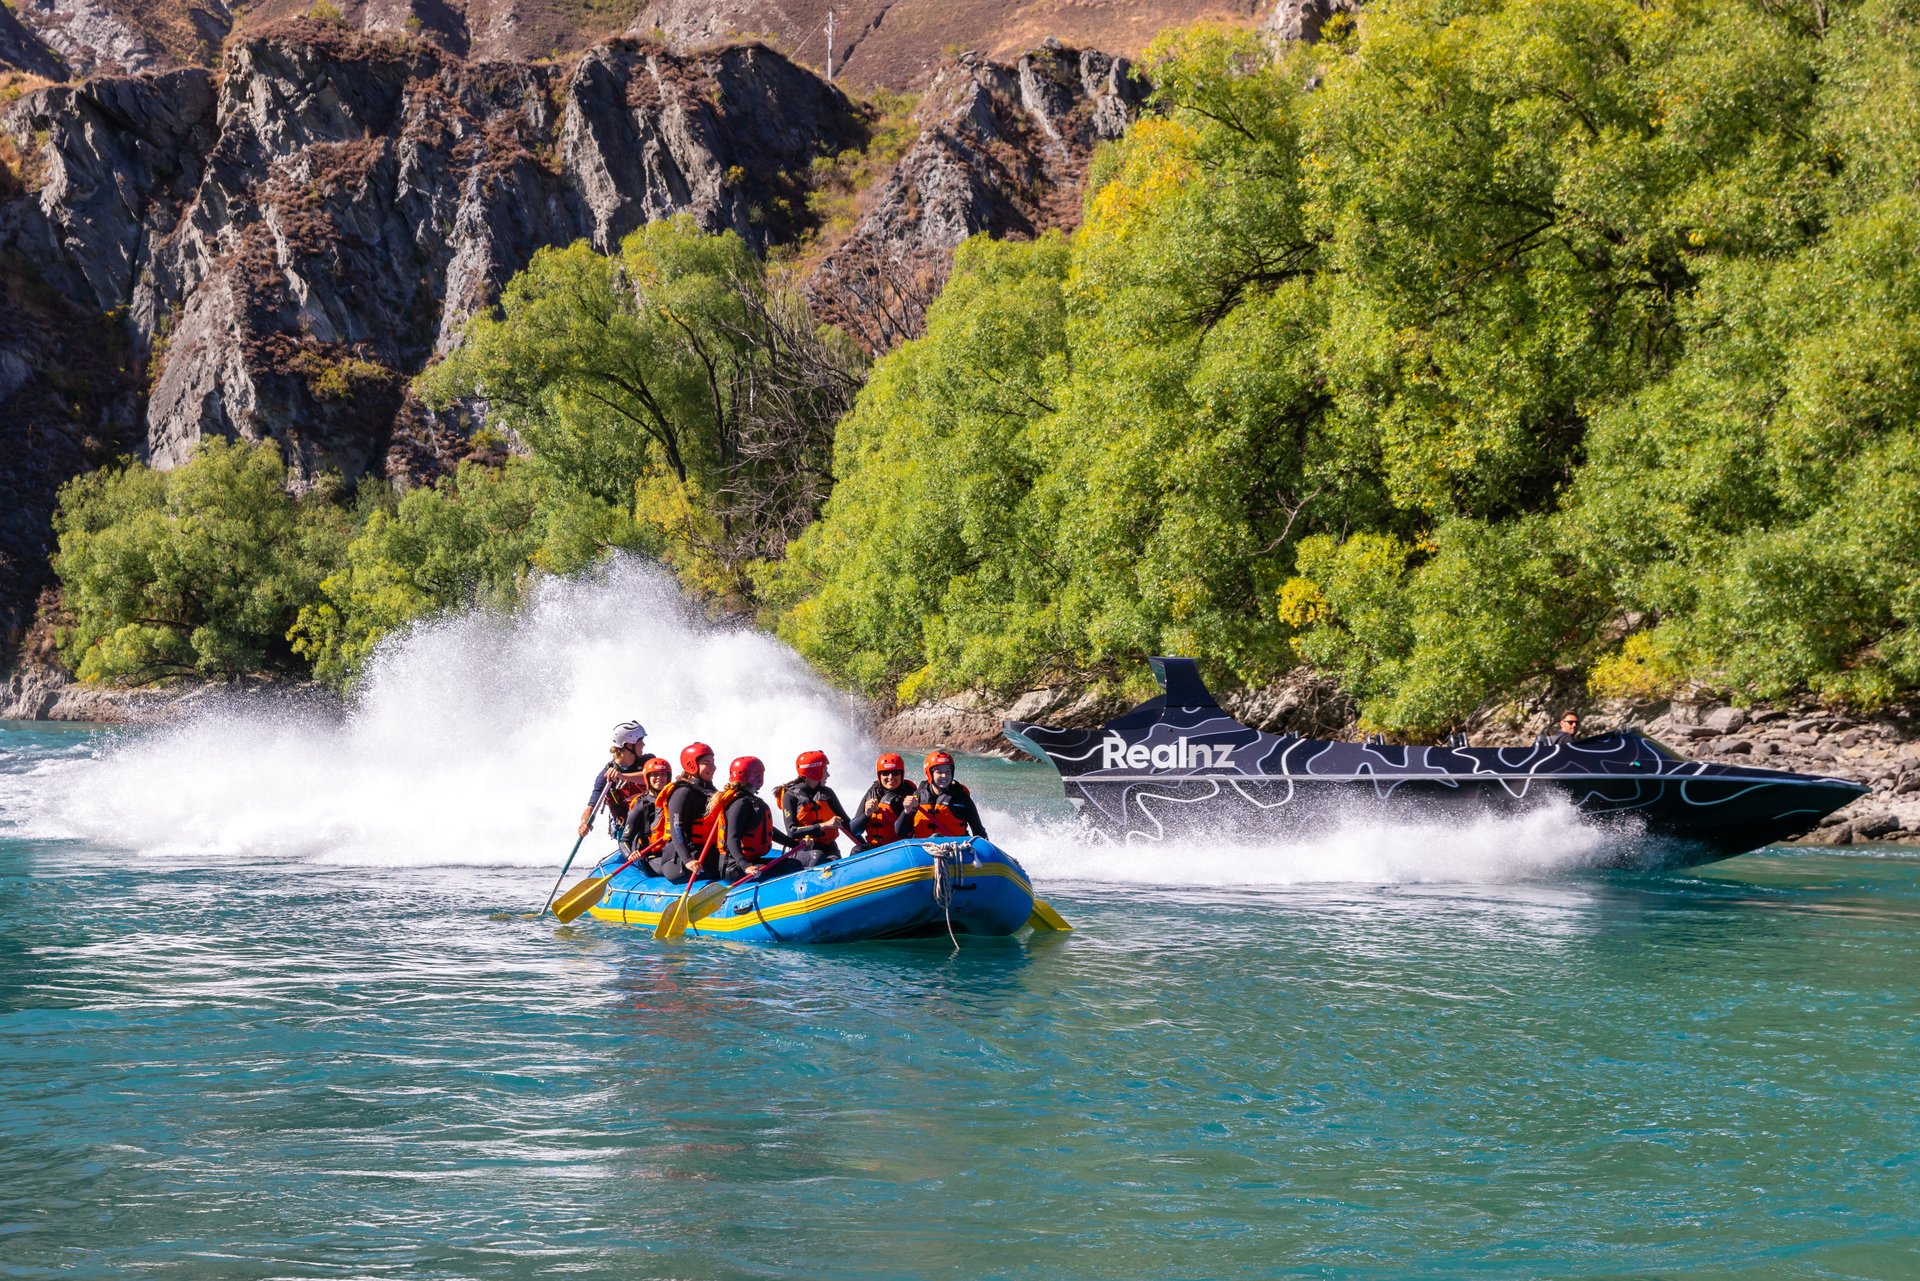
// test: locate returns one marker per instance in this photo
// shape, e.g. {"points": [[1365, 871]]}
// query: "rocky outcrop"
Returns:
{"points": [[114, 37], [43, 692], [68, 402], [727, 137], [1292, 20], [280, 246], [1002, 150], [292, 246]]}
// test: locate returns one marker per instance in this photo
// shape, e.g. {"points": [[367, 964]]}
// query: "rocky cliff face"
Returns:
{"points": [[289, 246], [898, 44], [1002, 150], [274, 250]]}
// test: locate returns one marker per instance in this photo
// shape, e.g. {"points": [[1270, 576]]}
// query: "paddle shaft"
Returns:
{"points": [[665, 929], [588, 892], [576, 850]]}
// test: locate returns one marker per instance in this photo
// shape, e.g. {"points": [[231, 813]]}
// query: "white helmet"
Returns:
{"points": [[629, 734]]}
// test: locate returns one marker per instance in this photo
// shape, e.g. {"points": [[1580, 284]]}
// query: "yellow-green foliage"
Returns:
{"points": [[1431, 353], [838, 183], [1640, 670], [195, 571], [474, 538]]}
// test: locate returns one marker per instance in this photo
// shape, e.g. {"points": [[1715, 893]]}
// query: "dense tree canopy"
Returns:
{"points": [[195, 571], [1491, 342]]}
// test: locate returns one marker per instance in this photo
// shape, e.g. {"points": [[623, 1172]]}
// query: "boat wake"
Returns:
{"points": [[1354, 848], [474, 739]]}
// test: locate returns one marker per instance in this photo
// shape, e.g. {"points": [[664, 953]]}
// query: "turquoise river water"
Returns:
{"points": [[258, 1020], [211, 1067]]}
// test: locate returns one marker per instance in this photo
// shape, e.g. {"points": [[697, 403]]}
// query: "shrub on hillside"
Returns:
{"points": [[198, 571]]}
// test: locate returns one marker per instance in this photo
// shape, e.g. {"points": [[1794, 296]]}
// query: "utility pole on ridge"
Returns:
{"points": [[829, 46]]}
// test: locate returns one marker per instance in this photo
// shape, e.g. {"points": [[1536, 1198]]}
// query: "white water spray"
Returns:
{"points": [[475, 738]]}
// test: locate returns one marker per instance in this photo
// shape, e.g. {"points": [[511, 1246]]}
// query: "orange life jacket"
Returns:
{"points": [[934, 818], [883, 820], [663, 825], [756, 839], [807, 813]]}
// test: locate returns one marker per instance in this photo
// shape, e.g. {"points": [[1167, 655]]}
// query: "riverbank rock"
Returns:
{"points": [[43, 692]]}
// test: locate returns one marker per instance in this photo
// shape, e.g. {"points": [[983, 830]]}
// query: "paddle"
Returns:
{"points": [[595, 813], [707, 902], [591, 891], [673, 921], [1045, 918]]}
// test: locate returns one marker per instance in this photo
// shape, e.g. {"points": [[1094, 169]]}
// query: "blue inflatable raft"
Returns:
{"points": [[909, 889]]}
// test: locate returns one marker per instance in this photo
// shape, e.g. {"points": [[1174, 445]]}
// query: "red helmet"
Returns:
{"points": [[690, 756], [890, 761], [747, 771], [655, 765], [937, 757], [812, 766]]}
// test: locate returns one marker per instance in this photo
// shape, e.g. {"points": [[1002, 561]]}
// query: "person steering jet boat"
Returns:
{"points": [[746, 835], [945, 806], [625, 774], [644, 815], [886, 809], [686, 816], [813, 813]]}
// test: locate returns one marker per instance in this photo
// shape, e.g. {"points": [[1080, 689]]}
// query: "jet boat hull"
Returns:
{"points": [[1179, 767]]}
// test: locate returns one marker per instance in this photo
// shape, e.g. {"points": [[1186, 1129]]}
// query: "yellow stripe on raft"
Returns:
{"points": [[716, 924]]}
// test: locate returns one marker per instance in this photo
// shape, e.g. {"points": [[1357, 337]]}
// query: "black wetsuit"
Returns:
{"points": [[956, 799], [796, 799], [685, 806], [744, 814]]}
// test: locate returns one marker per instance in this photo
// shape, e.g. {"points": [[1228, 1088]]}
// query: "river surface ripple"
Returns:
{"points": [[210, 1069]]}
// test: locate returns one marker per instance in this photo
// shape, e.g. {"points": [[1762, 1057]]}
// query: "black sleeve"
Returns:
{"points": [[971, 813], [599, 786], [637, 822], [857, 825], [738, 817], [679, 823]]}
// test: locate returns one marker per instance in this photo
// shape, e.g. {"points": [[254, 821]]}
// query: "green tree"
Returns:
{"points": [[473, 538], [196, 571], [674, 362], [1484, 345]]}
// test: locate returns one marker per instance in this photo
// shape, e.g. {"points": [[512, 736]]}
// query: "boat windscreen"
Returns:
{"points": [[1662, 748]]}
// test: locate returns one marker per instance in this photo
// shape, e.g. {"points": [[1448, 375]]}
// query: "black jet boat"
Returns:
{"points": [[1179, 767]]}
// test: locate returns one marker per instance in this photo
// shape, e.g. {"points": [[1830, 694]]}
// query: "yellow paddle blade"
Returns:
{"points": [[580, 897], [672, 924], [1045, 918], [705, 902]]}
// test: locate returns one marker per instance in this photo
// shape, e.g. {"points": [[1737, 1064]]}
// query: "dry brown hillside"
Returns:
{"points": [[890, 43]]}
